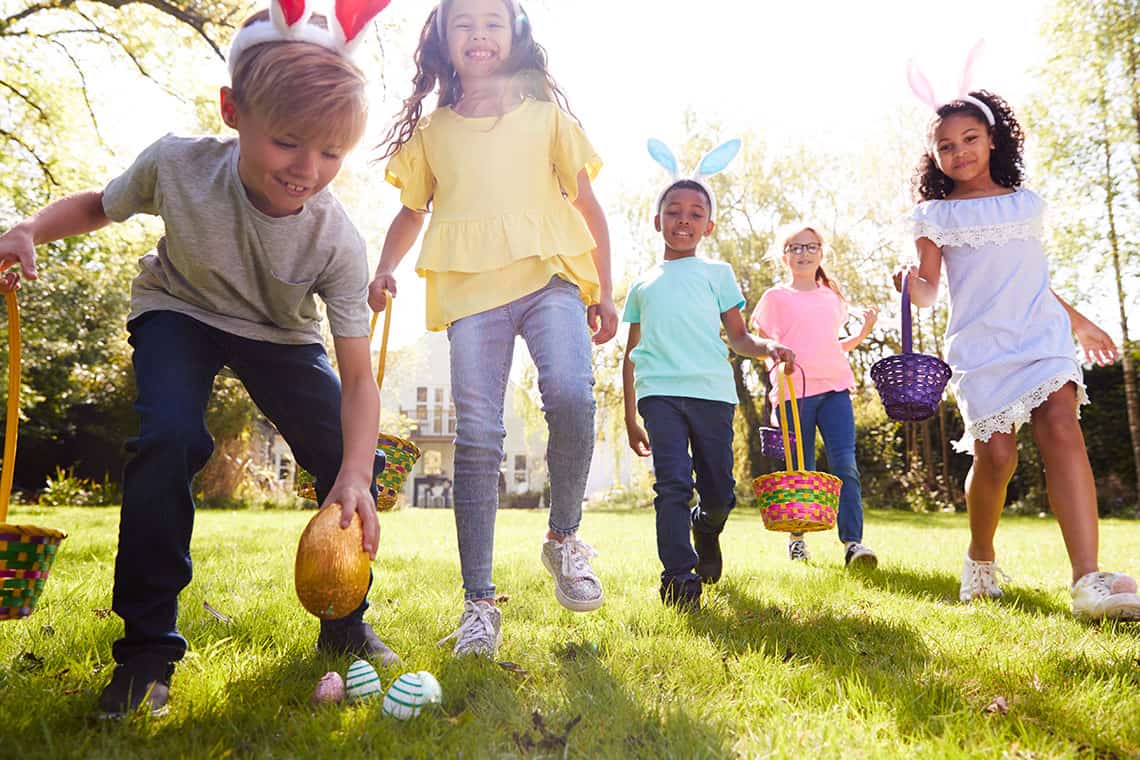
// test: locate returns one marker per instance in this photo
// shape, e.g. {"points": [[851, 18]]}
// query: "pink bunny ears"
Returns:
{"points": [[922, 90], [289, 22]]}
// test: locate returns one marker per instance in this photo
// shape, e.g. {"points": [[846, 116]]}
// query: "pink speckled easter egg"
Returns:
{"points": [[329, 689]]}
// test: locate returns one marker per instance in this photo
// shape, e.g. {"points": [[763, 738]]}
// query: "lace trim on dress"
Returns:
{"points": [[1019, 412], [975, 237]]}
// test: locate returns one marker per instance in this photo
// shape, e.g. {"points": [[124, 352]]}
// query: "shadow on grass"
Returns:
{"points": [[944, 588]]}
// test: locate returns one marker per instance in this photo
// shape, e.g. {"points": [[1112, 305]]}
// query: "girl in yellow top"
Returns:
{"points": [[517, 245]]}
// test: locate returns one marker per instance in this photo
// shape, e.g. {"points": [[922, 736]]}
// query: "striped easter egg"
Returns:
{"points": [[361, 681], [410, 693]]}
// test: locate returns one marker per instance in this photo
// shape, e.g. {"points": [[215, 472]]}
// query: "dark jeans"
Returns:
{"points": [[176, 359], [832, 413], [675, 425]]}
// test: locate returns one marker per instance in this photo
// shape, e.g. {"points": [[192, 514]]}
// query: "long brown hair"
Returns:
{"points": [[789, 231], [526, 66]]}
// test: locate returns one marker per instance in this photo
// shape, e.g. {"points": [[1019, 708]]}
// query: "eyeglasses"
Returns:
{"points": [[797, 249]]}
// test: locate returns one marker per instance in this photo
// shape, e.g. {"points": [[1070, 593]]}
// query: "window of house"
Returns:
{"points": [[433, 463], [421, 394], [520, 462], [439, 395]]}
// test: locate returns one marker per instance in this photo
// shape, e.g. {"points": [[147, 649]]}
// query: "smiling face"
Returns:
{"points": [[803, 253], [962, 145], [478, 36], [683, 221], [280, 170]]}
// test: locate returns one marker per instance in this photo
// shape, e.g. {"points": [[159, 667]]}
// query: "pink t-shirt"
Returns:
{"points": [[808, 322]]}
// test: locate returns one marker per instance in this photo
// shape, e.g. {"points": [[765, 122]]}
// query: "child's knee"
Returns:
{"points": [[998, 456]]}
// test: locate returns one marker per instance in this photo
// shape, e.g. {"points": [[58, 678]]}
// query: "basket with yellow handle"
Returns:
{"points": [[400, 454], [796, 500], [26, 551]]}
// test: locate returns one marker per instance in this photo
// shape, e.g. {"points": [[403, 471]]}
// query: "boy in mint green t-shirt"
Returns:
{"points": [[676, 374]]}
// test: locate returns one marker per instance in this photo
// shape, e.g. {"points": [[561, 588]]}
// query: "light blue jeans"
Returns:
{"points": [[832, 413], [552, 321]]}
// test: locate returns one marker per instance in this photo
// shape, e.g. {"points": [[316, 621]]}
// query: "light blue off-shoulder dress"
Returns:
{"points": [[1009, 340]]}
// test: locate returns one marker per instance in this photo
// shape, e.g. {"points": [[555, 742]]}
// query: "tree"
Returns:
{"points": [[1090, 138]]}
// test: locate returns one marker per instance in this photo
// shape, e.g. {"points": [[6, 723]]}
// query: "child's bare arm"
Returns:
{"points": [[1099, 347], [870, 316], [923, 279], [745, 343], [360, 423], [638, 438], [602, 316], [74, 215], [402, 234]]}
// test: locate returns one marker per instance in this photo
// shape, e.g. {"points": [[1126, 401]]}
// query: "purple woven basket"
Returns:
{"points": [[910, 384]]}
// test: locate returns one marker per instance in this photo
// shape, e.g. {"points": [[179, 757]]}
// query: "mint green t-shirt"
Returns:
{"points": [[678, 304]]}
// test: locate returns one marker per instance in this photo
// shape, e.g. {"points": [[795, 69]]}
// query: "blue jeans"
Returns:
{"points": [[832, 413], [176, 359], [675, 425], [552, 321]]}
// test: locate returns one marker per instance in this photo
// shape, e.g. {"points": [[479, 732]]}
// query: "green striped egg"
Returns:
{"points": [[411, 693], [361, 681]]}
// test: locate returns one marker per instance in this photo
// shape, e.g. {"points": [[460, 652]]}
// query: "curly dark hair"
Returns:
{"points": [[1006, 164], [526, 66]]}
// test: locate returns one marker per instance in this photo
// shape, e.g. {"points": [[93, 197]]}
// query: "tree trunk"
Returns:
{"points": [[1114, 247]]}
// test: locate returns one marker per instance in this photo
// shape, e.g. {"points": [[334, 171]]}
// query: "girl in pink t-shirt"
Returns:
{"points": [[806, 314]]}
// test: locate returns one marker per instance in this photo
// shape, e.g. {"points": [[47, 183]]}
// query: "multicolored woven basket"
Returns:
{"points": [[910, 384], [26, 551], [796, 500], [400, 454]]}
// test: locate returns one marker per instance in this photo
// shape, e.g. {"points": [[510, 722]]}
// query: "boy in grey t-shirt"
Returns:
{"points": [[251, 236]]}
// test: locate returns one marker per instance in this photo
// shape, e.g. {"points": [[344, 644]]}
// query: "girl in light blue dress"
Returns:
{"points": [[1008, 341]]}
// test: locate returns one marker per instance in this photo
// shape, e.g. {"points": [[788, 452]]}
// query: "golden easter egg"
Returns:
{"points": [[331, 573]]}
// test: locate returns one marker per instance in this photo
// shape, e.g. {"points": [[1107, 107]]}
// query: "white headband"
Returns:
{"points": [[516, 9], [715, 161], [289, 22], [922, 90]]}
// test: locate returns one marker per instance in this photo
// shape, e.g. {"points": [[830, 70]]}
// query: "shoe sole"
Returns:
{"points": [[863, 562], [1122, 607], [573, 605]]}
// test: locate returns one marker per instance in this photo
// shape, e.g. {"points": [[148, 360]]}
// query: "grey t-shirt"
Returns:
{"points": [[228, 265]]}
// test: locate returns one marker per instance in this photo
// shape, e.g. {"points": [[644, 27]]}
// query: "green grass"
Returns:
{"points": [[784, 661]]}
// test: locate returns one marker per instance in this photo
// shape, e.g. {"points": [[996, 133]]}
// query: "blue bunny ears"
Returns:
{"points": [[713, 162]]}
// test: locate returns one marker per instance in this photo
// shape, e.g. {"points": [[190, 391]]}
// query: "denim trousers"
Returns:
{"points": [[552, 322], [832, 413], [176, 359], [676, 426]]}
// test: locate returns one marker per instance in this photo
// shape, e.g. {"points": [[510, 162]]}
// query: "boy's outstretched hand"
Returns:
{"points": [[781, 353], [17, 247], [356, 498]]}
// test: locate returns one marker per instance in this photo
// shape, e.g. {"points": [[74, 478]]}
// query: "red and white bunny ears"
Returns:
{"points": [[289, 22], [922, 90]]}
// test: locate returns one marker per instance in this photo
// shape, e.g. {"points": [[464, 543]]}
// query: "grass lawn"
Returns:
{"points": [[786, 660]]}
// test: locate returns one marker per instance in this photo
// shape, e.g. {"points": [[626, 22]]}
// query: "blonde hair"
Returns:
{"points": [[302, 88], [789, 231]]}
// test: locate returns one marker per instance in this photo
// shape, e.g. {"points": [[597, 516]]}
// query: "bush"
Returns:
{"points": [[67, 489]]}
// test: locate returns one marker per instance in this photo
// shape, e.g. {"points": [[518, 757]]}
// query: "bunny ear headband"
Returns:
{"points": [[922, 90], [715, 161], [289, 22], [516, 10]]}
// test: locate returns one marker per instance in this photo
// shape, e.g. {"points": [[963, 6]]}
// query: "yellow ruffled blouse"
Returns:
{"points": [[502, 223]]}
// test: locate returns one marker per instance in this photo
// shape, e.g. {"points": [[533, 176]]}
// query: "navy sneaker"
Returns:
{"points": [[355, 637], [710, 562], [682, 594], [142, 684]]}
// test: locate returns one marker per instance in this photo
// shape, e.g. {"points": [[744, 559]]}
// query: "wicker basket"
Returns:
{"points": [[910, 384], [400, 454], [796, 500], [26, 551]]}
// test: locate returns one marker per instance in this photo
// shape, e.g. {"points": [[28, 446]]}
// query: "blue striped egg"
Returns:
{"points": [[410, 694], [361, 681]]}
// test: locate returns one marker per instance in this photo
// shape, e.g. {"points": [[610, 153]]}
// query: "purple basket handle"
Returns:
{"points": [[907, 343]]}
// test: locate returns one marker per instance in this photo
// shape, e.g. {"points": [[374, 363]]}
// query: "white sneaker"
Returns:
{"points": [[797, 549], [575, 586], [859, 557], [1093, 597], [980, 580], [480, 630]]}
